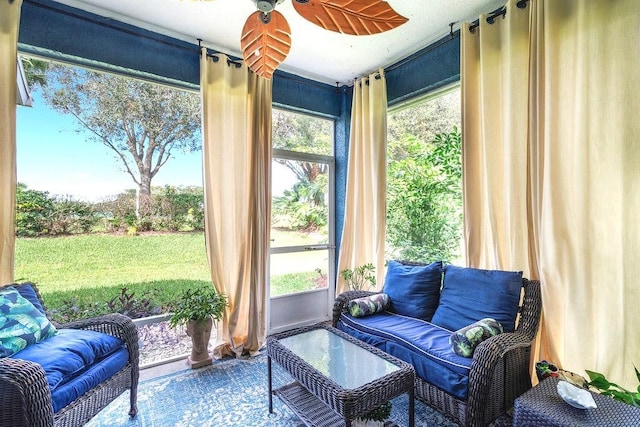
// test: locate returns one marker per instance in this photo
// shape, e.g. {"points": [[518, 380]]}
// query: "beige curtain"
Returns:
{"points": [[237, 185], [365, 202], [551, 176], [9, 22]]}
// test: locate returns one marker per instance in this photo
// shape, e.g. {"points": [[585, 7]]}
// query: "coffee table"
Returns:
{"points": [[337, 377]]}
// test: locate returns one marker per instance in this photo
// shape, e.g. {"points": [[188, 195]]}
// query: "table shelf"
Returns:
{"points": [[309, 408]]}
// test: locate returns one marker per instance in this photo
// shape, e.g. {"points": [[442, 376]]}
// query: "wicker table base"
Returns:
{"points": [[319, 399], [542, 406]]}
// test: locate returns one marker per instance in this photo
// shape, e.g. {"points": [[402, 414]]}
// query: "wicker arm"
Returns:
{"points": [[499, 373], [500, 368], [119, 326], [24, 393], [342, 300]]}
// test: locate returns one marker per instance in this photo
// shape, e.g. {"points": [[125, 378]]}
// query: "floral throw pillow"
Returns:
{"points": [[365, 306], [21, 323], [464, 341]]}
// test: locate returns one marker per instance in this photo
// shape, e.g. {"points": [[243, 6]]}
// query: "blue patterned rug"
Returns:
{"points": [[232, 392]]}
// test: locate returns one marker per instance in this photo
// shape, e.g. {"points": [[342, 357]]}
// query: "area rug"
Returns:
{"points": [[231, 392]]}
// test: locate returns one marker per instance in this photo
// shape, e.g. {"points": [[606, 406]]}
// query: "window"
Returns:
{"points": [[424, 181], [110, 213]]}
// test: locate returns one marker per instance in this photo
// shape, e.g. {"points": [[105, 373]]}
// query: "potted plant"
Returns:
{"points": [[546, 369], [375, 418], [360, 277], [198, 309]]}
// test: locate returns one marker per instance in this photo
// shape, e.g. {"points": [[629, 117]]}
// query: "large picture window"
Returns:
{"points": [[424, 182]]}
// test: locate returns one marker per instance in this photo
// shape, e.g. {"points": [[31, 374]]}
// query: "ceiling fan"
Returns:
{"points": [[266, 36]]}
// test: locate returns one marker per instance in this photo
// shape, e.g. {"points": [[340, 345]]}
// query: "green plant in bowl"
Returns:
{"points": [[198, 309], [199, 304]]}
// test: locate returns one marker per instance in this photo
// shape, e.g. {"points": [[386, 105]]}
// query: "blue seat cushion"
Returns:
{"points": [[89, 379], [418, 342], [72, 354], [471, 294]]}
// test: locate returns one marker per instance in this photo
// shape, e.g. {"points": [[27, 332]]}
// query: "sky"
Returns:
{"points": [[53, 157]]}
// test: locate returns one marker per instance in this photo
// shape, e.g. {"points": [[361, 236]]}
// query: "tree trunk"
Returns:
{"points": [[143, 202]]}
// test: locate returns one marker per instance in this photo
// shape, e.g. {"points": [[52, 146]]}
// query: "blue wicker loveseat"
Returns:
{"points": [[61, 374], [427, 305]]}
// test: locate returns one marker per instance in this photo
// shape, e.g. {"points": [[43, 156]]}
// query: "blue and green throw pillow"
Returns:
{"points": [[21, 323], [365, 306], [464, 341]]}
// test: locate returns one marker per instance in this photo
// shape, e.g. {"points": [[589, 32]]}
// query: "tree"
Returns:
{"points": [[305, 203], [424, 181], [35, 71], [424, 202], [302, 133], [425, 120], [141, 123]]}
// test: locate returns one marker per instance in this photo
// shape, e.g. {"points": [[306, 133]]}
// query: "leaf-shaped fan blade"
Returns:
{"points": [[356, 17], [265, 42]]}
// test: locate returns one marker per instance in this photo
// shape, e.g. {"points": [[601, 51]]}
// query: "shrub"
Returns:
{"points": [[178, 208], [360, 278], [424, 204], [73, 309], [304, 205], [32, 210], [70, 217], [127, 304]]}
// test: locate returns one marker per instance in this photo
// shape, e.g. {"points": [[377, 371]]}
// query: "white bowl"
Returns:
{"points": [[576, 397]]}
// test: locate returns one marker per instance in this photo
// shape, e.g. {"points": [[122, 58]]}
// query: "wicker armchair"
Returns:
{"points": [[25, 397], [499, 371]]}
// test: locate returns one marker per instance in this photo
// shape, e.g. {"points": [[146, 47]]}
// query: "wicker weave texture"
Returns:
{"points": [[500, 367], [542, 406], [343, 403], [25, 398]]}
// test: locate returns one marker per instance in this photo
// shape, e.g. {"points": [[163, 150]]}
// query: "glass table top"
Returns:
{"points": [[345, 363]]}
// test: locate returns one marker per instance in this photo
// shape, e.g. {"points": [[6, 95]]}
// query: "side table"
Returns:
{"points": [[542, 406]]}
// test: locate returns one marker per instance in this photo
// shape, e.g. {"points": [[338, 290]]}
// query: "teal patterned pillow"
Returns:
{"points": [[361, 307], [464, 341], [21, 323]]}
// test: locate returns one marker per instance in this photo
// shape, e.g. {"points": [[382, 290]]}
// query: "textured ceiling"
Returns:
{"points": [[316, 53]]}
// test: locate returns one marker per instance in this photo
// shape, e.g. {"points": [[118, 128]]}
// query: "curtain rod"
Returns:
{"points": [[500, 12]]}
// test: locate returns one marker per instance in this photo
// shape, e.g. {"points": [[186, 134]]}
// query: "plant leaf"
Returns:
{"points": [[265, 43], [356, 17], [598, 380]]}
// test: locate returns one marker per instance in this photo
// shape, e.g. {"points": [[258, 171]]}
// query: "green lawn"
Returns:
{"points": [[92, 269]]}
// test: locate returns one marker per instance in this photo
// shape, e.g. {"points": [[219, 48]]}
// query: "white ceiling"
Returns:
{"points": [[316, 53]]}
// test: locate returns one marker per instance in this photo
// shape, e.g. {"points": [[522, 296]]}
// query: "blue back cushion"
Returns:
{"points": [[414, 290], [27, 291], [469, 295]]}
